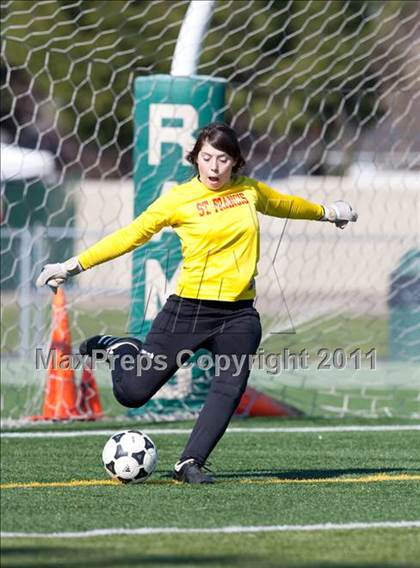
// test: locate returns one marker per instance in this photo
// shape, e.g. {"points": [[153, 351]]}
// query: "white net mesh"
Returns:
{"points": [[325, 98]]}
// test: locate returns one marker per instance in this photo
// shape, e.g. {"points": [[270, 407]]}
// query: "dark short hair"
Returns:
{"points": [[221, 137]]}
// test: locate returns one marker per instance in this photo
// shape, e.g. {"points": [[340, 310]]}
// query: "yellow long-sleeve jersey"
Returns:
{"points": [[219, 233]]}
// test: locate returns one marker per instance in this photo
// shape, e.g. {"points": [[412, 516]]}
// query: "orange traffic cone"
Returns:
{"points": [[89, 403], [60, 392], [256, 403]]}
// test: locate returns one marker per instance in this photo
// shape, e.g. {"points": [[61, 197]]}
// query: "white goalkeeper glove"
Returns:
{"points": [[340, 213], [53, 275]]}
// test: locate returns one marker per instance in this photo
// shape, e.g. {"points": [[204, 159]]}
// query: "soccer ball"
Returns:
{"points": [[129, 456]]}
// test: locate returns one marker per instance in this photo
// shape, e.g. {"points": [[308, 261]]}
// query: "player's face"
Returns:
{"points": [[214, 166]]}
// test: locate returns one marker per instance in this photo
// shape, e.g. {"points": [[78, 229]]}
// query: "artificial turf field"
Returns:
{"points": [[275, 485]]}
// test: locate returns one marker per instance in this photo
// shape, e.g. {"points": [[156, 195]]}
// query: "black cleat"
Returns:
{"points": [[190, 471], [103, 346], [96, 343]]}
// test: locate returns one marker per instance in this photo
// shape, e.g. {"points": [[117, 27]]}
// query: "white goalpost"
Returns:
{"points": [[325, 98]]}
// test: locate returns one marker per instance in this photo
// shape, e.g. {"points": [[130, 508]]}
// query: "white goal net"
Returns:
{"points": [[325, 97]]}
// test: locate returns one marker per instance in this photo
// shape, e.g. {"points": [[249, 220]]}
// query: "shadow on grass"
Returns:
{"points": [[296, 474], [312, 473], [48, 556]]}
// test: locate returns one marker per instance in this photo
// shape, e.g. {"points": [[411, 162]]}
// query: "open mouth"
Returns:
{"points": [[213, 179]]}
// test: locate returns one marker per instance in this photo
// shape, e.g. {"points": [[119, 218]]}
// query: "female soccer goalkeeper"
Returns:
{"points": [[215, 216]]}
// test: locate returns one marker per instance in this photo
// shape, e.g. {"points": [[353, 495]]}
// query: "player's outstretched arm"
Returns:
{"points": [[160, 213], [340, 213], [116, 244], [112, 246], [270, 202]]}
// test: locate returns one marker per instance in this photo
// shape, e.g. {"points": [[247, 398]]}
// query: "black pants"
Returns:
{"points": [[229, 329]]}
